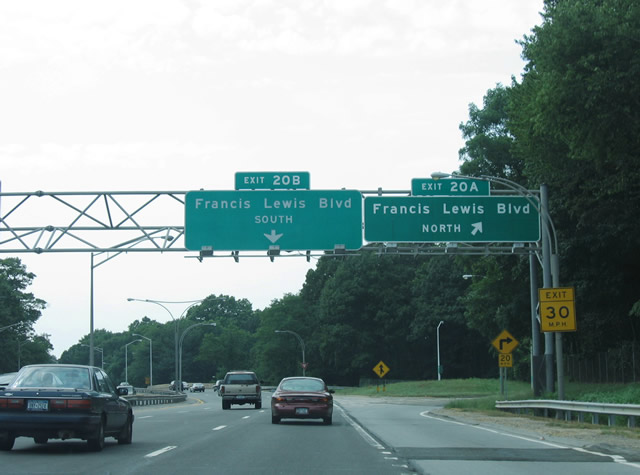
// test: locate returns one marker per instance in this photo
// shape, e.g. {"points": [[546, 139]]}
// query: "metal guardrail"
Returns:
{"points": [[145, 397], [566, 409]]}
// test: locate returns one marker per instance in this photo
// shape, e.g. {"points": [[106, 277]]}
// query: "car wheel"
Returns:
{"points": [[40, 440], [126, 434], [7, 442], [226, 405], [96, 444], [327, 420], [275, 420], [259, 405]]}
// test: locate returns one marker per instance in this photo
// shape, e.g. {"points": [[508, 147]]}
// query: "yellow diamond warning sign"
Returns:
{"points": [[505, 342], [381, 369]]}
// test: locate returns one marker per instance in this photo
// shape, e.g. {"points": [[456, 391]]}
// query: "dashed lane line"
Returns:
{"points": [[161, 451]]}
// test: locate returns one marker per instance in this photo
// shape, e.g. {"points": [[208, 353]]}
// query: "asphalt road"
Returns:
{"points": [[413, 430], [198, 437], [368, 436]]}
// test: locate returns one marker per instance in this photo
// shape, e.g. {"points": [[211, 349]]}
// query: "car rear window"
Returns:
{"points": [[53, 377], [302, 385], [241, 379]]}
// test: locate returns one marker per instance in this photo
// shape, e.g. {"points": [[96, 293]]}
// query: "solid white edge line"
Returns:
{"points": [[365, 435], [616, 458], [161, 451]]}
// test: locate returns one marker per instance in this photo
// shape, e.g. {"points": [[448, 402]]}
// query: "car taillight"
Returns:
{"points": [[73, 404], [221, 389], [79, 403], [257, 388], [11, 403]]}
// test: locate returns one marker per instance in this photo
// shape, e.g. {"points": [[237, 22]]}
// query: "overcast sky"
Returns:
{"points": [[181, 94]]}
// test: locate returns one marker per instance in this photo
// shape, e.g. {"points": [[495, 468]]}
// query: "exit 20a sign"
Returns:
{"points": [[557, 309]]}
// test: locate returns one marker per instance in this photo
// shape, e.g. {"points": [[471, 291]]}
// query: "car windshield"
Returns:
{"points": [[302, 385], [53, 377]]}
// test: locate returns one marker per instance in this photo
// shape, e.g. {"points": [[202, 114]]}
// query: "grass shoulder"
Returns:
{"points": [[477, 394]]}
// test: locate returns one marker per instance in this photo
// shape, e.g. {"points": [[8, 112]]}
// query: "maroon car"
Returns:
{"points": [[302, 398]]}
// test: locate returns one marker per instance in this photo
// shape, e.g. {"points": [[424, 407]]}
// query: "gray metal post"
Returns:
{"points": [[536, 356], [555, 266], [91, 360], [546, 283], [438, 347]]}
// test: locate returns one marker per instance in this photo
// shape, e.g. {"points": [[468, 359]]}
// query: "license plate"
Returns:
{"points": [[302, 411], [37, 405], [240, 397]]}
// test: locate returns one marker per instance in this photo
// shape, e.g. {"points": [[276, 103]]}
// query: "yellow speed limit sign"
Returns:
{"points": [[557, 309], [505, 360]]}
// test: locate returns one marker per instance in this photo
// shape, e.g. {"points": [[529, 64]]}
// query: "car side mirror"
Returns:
{"points": [[123, 391], [331, 391]]}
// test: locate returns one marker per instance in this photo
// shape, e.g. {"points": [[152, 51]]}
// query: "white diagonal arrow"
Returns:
{"points": [[273, 237], [477, 227]]}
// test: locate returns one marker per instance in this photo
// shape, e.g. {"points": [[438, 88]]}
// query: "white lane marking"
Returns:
{"points": [[246, 417], [161, 451], [365, 435], [616, 458], [143, 417], [219, 428]]}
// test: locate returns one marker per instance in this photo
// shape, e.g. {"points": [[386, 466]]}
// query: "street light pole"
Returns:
{"points": [[9, 326], [91, 315], [177, 322], [150, 358], [126, 362], [97, 348], [182, 339], [438, 347], [304, 363], [20, 343]]}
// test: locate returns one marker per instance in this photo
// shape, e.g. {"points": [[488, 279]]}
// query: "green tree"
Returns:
{"points": [[19, 310], [576, 123]]}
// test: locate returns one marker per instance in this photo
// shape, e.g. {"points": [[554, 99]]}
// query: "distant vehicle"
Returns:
{"points": [[197, 387], [172, 386], [6, 378], [60, 401], [130, 389], [302, 398], [240, 387], [216, 387]]}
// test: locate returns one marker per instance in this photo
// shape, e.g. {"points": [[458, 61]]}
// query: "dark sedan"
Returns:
{"points": [[302, 398], [64, 402]]}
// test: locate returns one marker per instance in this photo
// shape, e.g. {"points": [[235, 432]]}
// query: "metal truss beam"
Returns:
{"points": [[153, 221]]}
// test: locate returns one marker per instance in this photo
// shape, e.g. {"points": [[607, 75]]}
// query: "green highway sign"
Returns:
{"points": [[450, 219], [449, 187], [272, 180], [258, 220]]}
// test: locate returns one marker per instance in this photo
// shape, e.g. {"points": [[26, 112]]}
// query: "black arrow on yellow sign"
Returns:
{"points": [[505, 340]]}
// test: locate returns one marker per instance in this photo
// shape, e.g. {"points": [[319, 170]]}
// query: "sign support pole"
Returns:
{"points": [[546, 283]]}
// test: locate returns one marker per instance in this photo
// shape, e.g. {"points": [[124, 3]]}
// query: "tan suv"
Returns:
{"points": [[240, 387]]}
